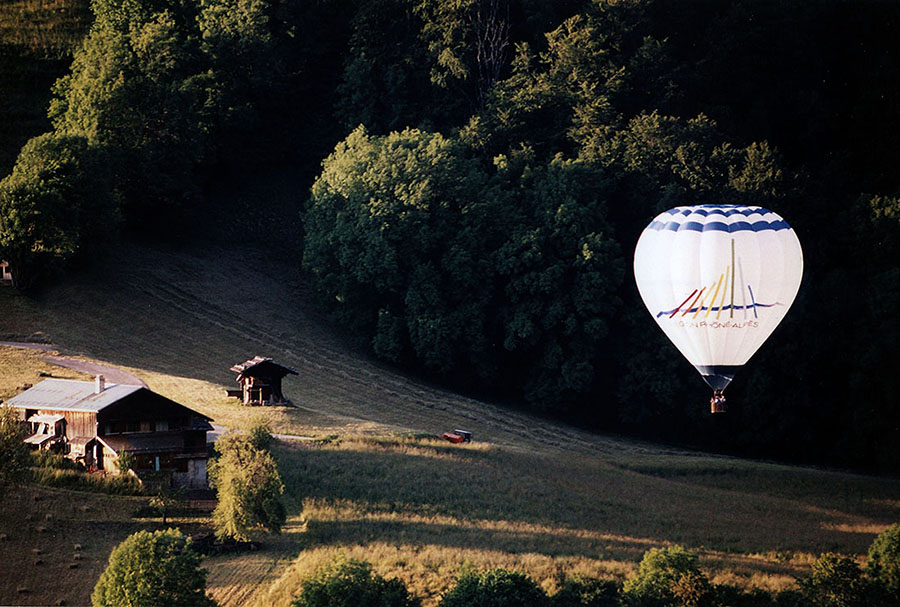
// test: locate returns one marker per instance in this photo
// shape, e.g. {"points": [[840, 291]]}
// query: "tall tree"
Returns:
{"points": [[133, 88], [58, 201], [248, 487]]}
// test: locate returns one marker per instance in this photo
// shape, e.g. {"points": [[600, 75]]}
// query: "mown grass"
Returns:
{"points": [[374, 484]]}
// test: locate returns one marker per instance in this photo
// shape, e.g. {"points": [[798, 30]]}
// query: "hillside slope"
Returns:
{"points": [[528, 494]]}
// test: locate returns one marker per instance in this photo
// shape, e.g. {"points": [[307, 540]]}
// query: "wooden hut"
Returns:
{"points": [[260, 381]]}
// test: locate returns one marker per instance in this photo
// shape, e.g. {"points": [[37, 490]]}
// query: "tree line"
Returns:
{"points": [[161, 566], [488, 167]]}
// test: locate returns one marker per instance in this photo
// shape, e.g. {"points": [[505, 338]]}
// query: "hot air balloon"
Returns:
{"points": [[718, 279]]}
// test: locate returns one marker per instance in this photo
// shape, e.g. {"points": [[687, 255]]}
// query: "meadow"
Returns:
{"points": [[372, 480]]}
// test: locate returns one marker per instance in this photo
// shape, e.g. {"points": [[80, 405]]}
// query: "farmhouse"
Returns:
{"points": [[94, 423], [260, 380]]}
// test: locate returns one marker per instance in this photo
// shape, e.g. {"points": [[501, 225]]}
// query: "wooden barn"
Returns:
{"points": [[260, 380], [95, 422]]}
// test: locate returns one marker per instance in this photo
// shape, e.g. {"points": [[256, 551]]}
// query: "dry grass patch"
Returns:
{"points": [[21, 366], [429, 571]]}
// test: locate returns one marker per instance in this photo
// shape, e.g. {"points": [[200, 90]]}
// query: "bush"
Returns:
{"points": [[668, 577], [586, 592], [73, 479], [351, 583], [883, 565], [836, 581], [494, 588], [48, 459], [157, 568]]}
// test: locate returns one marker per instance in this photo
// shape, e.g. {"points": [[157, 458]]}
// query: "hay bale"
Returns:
{"points": [[77, 547], [3, 537], [37, 551], [61, 602], [22, 590], [73, 565], [38, 561], [77, 556]]}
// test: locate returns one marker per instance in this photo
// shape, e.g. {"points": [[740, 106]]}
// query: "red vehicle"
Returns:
{"points": [[457, 436]]}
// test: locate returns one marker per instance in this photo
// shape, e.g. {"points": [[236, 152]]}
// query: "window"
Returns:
{"points": [[162, 425]]}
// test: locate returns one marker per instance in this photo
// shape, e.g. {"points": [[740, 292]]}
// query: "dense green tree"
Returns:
{"points": [[153, 568], [133, 88], [381, 227], [351, 583], [467, 271], [494, 588], [667, 577], [883, 564], [836, 581], [238, 43], [385, 84], [248, 487], [560, 270], [57, 201]]}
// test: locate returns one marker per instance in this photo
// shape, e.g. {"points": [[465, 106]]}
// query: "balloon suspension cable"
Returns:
{"points": [[717, 403]]}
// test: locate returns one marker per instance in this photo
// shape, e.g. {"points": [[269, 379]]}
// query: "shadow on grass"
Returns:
{"points": [[532, 501]]}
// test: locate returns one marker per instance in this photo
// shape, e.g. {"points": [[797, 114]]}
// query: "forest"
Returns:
{"points": [[478, 172]]}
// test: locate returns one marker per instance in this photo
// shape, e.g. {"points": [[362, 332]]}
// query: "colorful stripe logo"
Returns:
{"points": [[719, 296]]}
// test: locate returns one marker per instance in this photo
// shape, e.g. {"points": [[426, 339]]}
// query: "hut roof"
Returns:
{"points": [[253, 363]]}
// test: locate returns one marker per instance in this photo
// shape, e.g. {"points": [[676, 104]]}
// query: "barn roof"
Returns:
{"points": [[245, 366], [74, 395], [70, 395]]}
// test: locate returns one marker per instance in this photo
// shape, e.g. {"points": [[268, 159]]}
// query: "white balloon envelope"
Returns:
{"points": [[718, 279]]}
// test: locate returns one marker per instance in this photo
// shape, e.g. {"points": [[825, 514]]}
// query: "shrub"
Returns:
{"points": [[261, 434], [586, 592], [836, 581], [351, 583], [157, 568], [724, 594], [73, 479], [668, 577], [883, 565], [494, 588], [125, 462], [14, 457], [48, 459]]}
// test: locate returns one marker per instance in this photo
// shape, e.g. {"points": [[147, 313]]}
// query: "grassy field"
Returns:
{"points": [[376, 483]]}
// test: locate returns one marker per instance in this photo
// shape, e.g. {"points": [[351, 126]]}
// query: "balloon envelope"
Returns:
{"points": [[718, 279]]}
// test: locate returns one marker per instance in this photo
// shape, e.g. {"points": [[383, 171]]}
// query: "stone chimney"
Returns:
{"points": [[99, 384]]}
